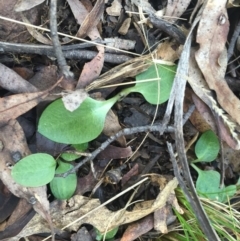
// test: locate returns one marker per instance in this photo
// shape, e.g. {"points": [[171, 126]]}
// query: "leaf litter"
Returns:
{"points": [[207, 66]]}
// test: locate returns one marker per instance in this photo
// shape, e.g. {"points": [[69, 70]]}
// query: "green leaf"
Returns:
{"points": [[150, 89], [207, 147], [208, 183], [34, 170], [69, 157], [63, 188], [110, 234], [80, 126], [73, 156]]}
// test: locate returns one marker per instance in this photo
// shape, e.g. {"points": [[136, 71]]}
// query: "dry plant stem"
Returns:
{"points": [[168, 28], [180, 81], [69, 51], [233, 40], [64, 68]]}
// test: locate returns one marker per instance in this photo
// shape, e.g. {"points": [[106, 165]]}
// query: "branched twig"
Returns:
{"points": [[64, 68], [127, 131]]}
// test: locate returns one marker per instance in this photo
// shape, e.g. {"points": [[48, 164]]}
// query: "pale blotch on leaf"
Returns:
{"points": [[73, 100]]}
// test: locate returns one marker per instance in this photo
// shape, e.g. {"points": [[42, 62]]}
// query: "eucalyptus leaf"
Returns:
{"points": [[208, 185], [150, 89], [63, 188], [80, 126], [207, 147], [34, 170]]}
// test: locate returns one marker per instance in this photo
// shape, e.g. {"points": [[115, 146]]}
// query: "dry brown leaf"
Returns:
{"points": [[200, 123], [112, 126], [23, 5], [92, 69], [92, 19], [212, 36], [169, 51], [175, 9], [138, 228], [125, 26], [45, 78], [15, 105], [14, 147], [64, 212], [35, 33], [115, 152], [132, 172], [11, 81], [232, 157], [202, 90], [115, 8]]}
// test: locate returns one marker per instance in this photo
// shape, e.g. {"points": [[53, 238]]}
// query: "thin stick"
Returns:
{"points": [[64, 68]]}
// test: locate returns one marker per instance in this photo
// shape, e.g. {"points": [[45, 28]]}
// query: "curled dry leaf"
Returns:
{"points": [[14, 148], [13, 82], [212, 36], [23, 5], [202, 90]]}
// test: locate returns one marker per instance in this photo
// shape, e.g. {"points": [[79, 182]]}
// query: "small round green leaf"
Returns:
{"points": [[207, 147], [208, 185], [63, 188], [80, 126], [34, 170], [150, 89]]}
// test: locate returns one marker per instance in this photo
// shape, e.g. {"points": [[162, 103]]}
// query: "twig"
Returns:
{"points": [[69, 51], [64, 68], [127, 131], [168, 28]]}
